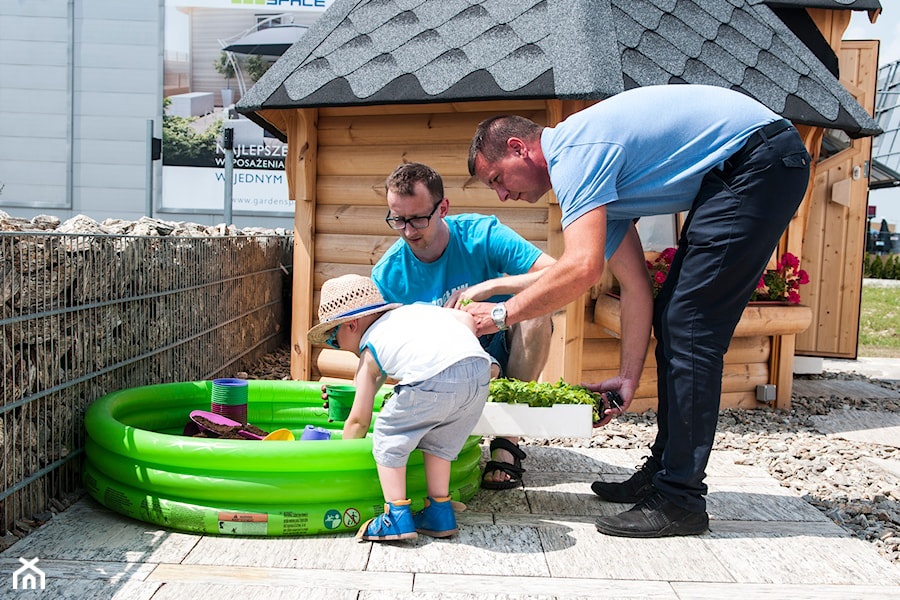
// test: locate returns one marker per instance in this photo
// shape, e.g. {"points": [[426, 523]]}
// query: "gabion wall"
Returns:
{"points": [[85, 315]]}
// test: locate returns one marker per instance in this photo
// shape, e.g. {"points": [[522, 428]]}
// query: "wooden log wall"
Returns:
{"points": [[358, 148], [355, 150]]}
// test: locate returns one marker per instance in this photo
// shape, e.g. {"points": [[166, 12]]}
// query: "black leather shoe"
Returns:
{"points": [[652, 518], [634, 489]]}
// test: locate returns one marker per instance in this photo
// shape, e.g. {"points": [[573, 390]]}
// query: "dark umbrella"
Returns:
{"points": [[271, 41]]}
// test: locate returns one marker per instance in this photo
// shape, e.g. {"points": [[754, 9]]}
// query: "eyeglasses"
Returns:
{"points": [[332, 339], [399, 223]]}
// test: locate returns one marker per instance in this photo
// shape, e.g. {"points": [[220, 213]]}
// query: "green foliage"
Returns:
{"points": [[256, 67], [224, 67], [879, 322], [532, 393], [181, 141], [891, 267], [875, 266]]}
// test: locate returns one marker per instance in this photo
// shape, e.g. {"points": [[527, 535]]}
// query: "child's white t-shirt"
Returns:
{"points": [[417, 341]]}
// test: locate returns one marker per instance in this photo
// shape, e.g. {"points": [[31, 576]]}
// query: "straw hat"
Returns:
{"points": [[343, 299]]}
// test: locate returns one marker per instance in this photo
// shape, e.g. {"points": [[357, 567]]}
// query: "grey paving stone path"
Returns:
{"points": [[533, 543]]}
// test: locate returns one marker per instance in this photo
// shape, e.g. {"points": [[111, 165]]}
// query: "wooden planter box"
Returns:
{"points": [[762, 352]]}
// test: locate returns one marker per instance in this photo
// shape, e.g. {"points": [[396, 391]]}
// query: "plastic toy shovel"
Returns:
{"points": [[202, 418]]}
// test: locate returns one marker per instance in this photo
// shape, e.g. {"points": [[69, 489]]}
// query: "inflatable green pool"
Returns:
{"points": [[139, 464]]}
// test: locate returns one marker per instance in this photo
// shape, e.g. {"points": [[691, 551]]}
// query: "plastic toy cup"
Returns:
{"points": [[229, 398], [340, 400], [311, 432], [280, 435]]}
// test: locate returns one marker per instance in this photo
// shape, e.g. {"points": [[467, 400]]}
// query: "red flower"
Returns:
{"points": [[782, 283]]}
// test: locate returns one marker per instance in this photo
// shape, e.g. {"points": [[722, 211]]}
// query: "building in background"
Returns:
{"points": [[82, 89], [884, 179]]}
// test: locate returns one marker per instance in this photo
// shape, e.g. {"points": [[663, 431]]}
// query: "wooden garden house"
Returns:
{"points": [[375, 83]]}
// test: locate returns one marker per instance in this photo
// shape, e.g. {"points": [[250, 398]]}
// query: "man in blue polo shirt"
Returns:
{"points": [[740, 170], [450, 260]]}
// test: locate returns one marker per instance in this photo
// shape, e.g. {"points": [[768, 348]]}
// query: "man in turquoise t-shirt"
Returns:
{"points": [[448, 261], [740, 171]]}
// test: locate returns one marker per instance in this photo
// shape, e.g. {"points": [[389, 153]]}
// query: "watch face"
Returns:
{"points": [[498, 316]]}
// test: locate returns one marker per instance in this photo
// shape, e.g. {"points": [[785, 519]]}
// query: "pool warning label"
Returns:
{"points": [[351, 518], [243, 523]]}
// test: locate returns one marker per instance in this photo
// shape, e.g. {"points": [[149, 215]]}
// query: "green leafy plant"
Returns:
{"points": [[225, 68], [876, 267], [181, 142], [533, 393], [256, 67]]}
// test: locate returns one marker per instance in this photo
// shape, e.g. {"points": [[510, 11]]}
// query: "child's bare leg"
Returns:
{"points": [[437, 475], [437, 518], [393, 482]]}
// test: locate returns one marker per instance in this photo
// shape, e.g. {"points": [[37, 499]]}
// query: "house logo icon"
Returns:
{"points": [[28, 575]]}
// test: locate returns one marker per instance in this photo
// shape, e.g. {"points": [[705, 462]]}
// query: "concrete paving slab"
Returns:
{"points": [[89, 532], [476, 550], [874, 427], [333, 552], [887, 369], [810, 559], [745, 591], [607, 557], [842, 388], [748, 502], [539, 543]]}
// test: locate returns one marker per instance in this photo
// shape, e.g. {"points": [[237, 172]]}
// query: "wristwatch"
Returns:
{"points": [[498, 315]]}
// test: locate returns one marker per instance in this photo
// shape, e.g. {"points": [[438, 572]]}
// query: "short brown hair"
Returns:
{"points": [[404, 178], [492, 134]]}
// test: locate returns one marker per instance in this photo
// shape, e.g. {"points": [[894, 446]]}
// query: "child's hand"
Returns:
{"points": [[324, 398]]}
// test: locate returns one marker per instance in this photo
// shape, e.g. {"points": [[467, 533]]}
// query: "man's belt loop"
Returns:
{"points": [[766, 133]]}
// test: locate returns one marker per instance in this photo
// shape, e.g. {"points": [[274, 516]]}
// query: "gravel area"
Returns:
{"points": [[828, 472]]}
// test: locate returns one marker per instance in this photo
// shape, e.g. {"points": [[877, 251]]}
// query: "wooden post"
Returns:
{"points": [[567, 344], [301, 171]]}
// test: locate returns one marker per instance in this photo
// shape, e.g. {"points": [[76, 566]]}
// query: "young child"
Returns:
{"points": [[442, 375]]}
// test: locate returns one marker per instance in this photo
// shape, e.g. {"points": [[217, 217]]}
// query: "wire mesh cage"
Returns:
{"points": [[84, 315]]}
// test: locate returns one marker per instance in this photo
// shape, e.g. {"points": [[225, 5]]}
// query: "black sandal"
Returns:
{"points": [[514, 470]]}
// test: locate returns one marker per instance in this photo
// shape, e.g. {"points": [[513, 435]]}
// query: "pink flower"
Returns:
{"points": [[789, 260], [667, 255]]}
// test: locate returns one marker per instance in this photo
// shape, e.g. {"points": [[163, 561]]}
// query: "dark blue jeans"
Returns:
{"points": [[730, 233]]}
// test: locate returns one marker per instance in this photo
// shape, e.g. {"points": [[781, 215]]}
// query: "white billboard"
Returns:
{"points": [[214, 51]]}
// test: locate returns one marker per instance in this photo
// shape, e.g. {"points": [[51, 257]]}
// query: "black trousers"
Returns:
{"points": [[732, 229]]}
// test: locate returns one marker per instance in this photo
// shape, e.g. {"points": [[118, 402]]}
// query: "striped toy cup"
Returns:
{"points": [[229, 398]]}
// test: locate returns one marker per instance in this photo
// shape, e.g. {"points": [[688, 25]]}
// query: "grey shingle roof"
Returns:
{"points": [[414, 51]]}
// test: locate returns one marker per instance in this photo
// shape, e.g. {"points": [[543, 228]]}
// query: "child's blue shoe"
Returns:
{"points": [[395, 524], [437, 518]]}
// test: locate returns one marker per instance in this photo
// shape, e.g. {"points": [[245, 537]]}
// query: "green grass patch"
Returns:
{"points": [[879, 322]]}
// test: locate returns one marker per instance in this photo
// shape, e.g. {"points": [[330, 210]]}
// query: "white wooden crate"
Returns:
{"points": [[559, 420]]}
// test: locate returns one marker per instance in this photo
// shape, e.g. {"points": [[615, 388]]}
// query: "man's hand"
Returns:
{"points": [[622, 387], [481, 312]]}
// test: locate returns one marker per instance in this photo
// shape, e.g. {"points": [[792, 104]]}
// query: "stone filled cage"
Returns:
{"points": [[85, 315]]}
